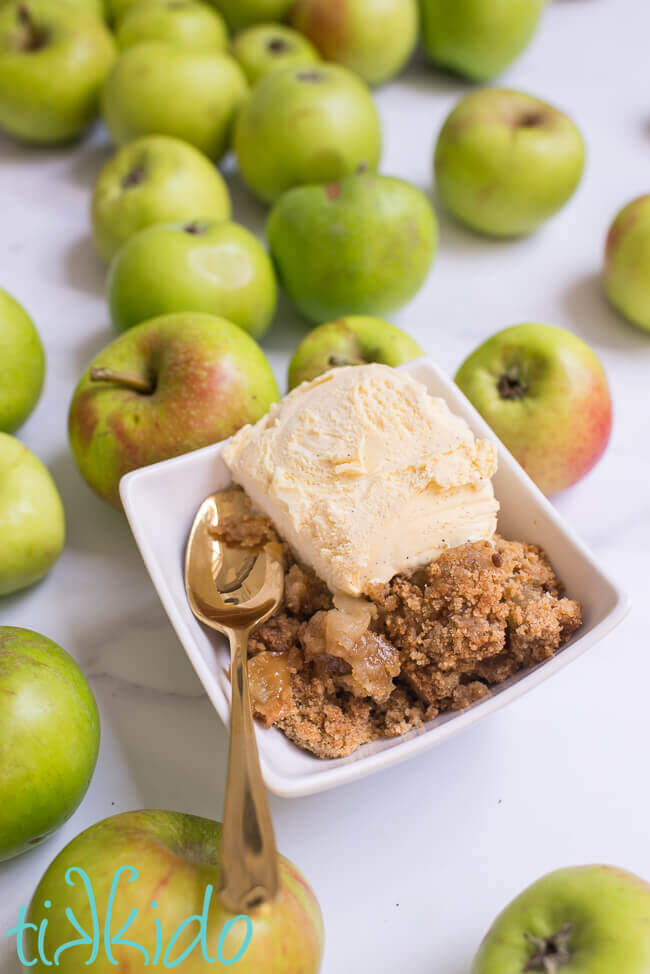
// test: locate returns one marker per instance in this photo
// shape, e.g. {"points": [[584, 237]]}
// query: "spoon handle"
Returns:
{"points": [[249, 858]]}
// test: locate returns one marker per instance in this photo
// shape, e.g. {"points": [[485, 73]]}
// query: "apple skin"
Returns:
{"points": [[505, 162], [22, 364], [478, 39], [117, 8], [155, 179], [32, 522], [545, 394], [374, 39], [361, 246], [49, 737], [306, 125], [70, 45], [601, 916], [188, 25], [265, 47], [210, 378], [355, 340], [95, 7], [176, 856], [158, 89], [213, 266], [244, 13], [627, 262]]}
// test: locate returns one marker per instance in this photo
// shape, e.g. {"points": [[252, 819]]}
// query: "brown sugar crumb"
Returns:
{"points": [[420, 645], [250, 531]]}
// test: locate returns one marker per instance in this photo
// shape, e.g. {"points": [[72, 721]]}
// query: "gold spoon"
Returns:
{"points": [[233, 590]]}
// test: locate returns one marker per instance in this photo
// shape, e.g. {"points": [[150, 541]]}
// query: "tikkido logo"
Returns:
{"points": [[100, 936]]}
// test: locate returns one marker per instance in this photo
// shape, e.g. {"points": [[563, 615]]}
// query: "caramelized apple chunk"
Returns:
{"points": [[269, 677], [344, 634]]}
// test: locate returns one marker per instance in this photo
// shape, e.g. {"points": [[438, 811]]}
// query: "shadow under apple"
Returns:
{"points": [[592, 317], [82, 268]]}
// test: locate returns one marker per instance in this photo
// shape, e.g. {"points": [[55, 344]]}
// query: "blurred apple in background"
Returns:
{"points": [[155, 179], [171, 859], [505, 162], [545, 394], [627, 262], [32, 523], [580, 920], [116, 9], [244, 13], [190, 25], [95, 7], [354, 340], [374, 38], [49, 738], [363, 245], [218, 267], [165, 387], [478, 38], [22, 364], [266, 47], [159, 89], [53, 60], [306, 125]]}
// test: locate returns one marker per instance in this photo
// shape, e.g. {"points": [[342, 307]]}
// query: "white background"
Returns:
{"points": [[412, 864]]}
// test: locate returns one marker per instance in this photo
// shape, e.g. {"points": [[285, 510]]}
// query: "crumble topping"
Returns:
{"points": [[334, 674]]}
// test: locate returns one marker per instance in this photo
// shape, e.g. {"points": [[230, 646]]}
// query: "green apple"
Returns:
{"points": [[49, 738], [91, 6], [158, 89], [22, 364], [32, 523], [155, 179], [363, 245], [374, 39], [245, 13], [54, 58], [505, 162], [627, 262], [95, 7], [164, 869], [165, 387], [184, 23], [478, 38], [117, 8], [205, 265], [580, 920], [306, 125], [265, 47], [545, 394], [354, 340]]}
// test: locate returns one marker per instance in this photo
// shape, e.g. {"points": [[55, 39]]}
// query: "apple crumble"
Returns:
{"points": [[335, 672]]}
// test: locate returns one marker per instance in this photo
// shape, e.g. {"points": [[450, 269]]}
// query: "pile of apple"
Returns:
{"points": [[285, 85]]}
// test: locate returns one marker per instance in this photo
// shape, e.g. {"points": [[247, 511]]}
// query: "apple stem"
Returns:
{"points": [[551, 953], [33, 37], [277, 45], [100, 374], [511, 384]]}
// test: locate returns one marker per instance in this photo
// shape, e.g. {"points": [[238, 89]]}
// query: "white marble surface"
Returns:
{"points": [[412, 864]]}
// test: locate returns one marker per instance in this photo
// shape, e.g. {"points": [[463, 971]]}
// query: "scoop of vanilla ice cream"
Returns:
{"points": [[366, 475]]}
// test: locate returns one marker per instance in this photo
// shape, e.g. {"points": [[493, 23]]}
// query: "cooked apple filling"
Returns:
{"points": [[336, 673]]}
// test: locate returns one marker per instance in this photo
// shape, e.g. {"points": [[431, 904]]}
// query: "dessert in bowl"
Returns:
{"points": [[161, 500], [401, 601]]}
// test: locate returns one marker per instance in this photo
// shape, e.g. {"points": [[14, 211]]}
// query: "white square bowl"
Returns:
{"points": [[161, 500]]}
